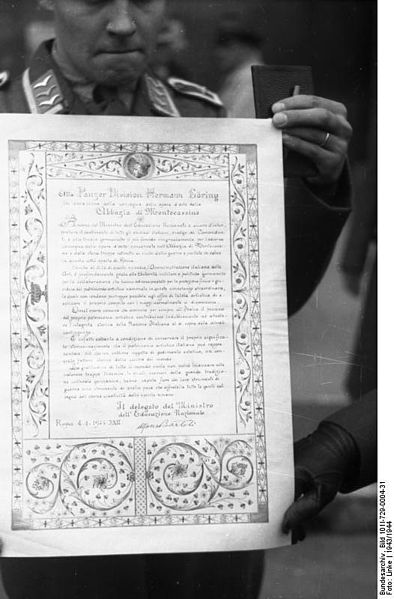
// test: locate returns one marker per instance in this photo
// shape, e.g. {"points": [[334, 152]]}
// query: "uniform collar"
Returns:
{"points": [[48, 90], [82, 86], [153, 98], [79, 84]]}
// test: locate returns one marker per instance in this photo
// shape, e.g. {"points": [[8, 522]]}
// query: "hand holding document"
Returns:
{"points": [[145, 379]]}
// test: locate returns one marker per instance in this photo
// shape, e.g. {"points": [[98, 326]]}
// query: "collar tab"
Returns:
{"points": [[160, 97], [44, 95]]}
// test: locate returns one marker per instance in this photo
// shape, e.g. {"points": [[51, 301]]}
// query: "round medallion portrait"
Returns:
{"points": [[139, 166]]}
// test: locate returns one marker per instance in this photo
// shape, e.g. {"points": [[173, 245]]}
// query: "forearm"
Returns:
{"points": [[339, 456], [313, 225], [359, 420]]}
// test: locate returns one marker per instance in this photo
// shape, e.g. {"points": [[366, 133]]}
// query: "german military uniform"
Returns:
{"points": [[42, 89]]}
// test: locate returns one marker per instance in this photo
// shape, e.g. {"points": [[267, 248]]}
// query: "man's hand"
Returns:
{"points": [[318, 129], [323, 460]]}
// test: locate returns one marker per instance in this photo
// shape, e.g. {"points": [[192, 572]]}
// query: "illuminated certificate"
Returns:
{"points": [[145, 380]]}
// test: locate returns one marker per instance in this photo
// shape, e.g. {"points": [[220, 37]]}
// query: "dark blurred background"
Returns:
{"points": [[333, 338]]}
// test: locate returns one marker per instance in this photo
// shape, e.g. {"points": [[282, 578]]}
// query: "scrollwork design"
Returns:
{"points": [[171, 165], [184, 477], [111, 165], [240, 290], [211, 166], [37, 392], [42, 483], [35, 296], [93, 477], [35, 184], [237, 467], [122, 165]]}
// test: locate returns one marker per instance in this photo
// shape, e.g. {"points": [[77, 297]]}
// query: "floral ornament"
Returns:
{"points": [[185, 477], [36, 293], [92, 477]]}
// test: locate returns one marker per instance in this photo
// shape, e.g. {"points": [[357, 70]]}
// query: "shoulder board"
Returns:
{"points": [[192, 89], [4, 78]]}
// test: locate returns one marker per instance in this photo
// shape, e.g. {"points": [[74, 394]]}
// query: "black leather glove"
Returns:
{"points": [[323, 462]]}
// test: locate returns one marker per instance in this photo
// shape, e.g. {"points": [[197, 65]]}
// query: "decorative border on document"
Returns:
{"points": [[131, 482]]}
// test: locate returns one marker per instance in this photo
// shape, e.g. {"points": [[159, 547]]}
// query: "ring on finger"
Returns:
{"points": [[325, 140]]}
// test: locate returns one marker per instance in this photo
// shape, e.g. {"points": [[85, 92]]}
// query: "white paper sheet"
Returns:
{"points": [[145, 373]]}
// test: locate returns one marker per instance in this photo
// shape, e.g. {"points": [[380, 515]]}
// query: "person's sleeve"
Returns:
{"points": [[314, 221], [360, 421]]}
